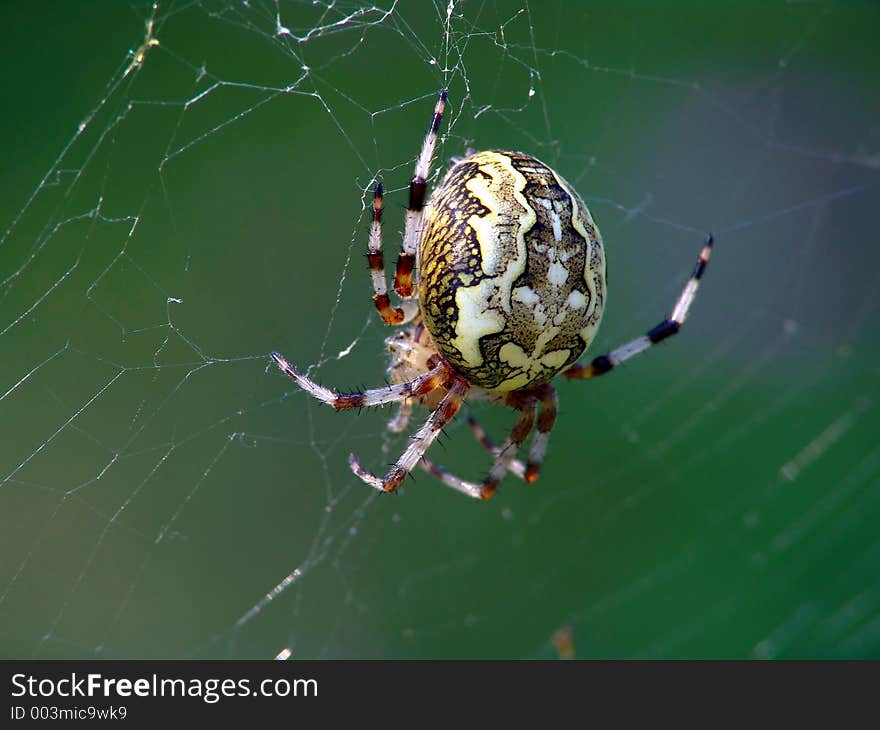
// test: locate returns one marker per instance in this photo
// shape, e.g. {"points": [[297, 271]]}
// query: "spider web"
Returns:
{"points": [[187, 191]]}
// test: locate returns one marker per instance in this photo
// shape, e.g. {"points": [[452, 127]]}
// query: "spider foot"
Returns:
{"points": [[482, 491], [487, 490], [392, 480]]}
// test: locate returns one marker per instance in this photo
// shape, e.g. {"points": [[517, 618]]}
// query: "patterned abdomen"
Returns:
{"points": [[511, 271]]}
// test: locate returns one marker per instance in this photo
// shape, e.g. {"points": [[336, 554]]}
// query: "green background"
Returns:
{"points": [[718, 497]]}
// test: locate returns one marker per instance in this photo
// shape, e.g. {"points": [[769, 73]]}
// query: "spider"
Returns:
{"points": [[501, 281]]}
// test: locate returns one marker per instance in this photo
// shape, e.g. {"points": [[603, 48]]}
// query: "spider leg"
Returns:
{"points": [[450, 480], [401, 419], [420, 442], [503, 457], [517, 468], [546, 421], [415, 216], [389, 314], [418, 387], [668, 327]]}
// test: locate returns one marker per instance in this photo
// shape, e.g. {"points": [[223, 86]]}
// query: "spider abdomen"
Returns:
{"points": [[511, 271]]}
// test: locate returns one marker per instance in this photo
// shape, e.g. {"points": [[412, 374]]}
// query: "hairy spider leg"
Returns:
{"points": [[503, 456], [415, 215], [668, 327], [457, 388], [400, 421], [546, 421], [390, 315], [415, 388], [517, 468]]}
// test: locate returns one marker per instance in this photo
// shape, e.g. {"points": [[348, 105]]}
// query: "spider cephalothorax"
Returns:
{"points": [[502, 285]]}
